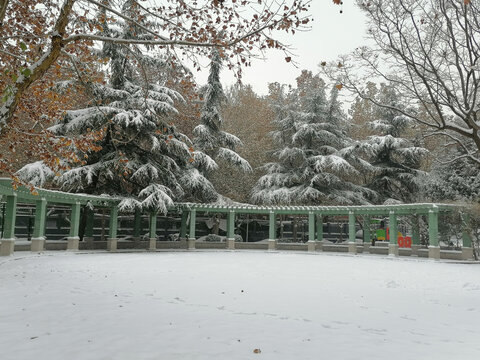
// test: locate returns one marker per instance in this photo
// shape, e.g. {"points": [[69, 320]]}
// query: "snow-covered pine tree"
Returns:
{"points": [[284, 174], [396, 160], [315, 165], [142, 157], [211, 143], [454, 176]]}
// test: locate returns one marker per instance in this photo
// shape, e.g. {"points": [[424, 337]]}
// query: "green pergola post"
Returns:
{"points": [[415, 234], [272, 230], [112, 239], [319, 227], [137, 227], [231, 230], [367, 234], [467, 250], [73, 238], [352, 246], [88, 235], [433, 247], [7, 245], [183, 225], [152, 233], [191, 238], [38, 239], [393, 233], [416, 230], [312, 243]]}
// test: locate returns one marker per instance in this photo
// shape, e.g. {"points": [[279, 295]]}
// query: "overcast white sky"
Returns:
{"points": [[332, 34]]}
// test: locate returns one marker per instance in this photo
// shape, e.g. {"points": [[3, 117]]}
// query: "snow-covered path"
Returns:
{"points": [[224, 305]]}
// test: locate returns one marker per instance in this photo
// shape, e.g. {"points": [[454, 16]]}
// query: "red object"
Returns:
{"points": [[408, 241], [404, 242]]}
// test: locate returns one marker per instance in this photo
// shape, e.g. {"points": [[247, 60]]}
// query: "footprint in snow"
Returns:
{"points": [[392, 285], [471, 287]]}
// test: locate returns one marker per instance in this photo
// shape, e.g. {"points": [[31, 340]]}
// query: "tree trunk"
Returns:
{"points": [[3, 10], [216, 223], [39, 68]]}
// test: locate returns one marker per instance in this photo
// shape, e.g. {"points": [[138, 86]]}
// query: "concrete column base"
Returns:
{"points": [[311, 245], [191, 244], [38, 244], [415, 249], [183, 243], [7, 247], [392, 250], [112, 244], [434, 252], [366, 247], [152, 244], [72, 243], [272, 244], [88, 242], [320, 245], [231, 244], [467, 253], [352, 248]]}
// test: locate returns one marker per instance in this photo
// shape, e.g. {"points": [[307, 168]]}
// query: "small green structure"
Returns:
{"points": [[189, 213]]}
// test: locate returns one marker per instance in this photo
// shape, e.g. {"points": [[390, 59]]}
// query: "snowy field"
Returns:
{"points": [[225, 305]]}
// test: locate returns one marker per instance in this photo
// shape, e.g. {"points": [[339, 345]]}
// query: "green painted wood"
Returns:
{"points": [[40, 218], [351, 227], [433, 228], [183, 225], [367, 234], [193, 219], [10, 217], [152, 233], [272, 226], [311, 226], [113, 223], [392, 224], [52, 196], [319, 227], [231, 224], [137, 223], [90, 215], [75, 220], [415, 230], [466, 237]]}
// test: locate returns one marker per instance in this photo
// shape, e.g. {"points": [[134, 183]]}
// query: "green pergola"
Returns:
{"points": [[189, 211]]}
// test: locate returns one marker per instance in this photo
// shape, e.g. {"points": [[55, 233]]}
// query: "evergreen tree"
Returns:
{"points": [[142, 155], [314, 165], [457, 178], [283, 175], [396, 160], [210, 141]]}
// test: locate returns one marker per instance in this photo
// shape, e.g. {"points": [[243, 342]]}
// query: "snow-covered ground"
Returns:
{"points": [[224, 305]]}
